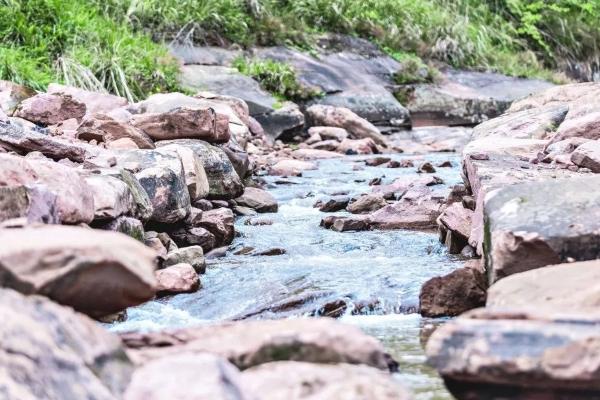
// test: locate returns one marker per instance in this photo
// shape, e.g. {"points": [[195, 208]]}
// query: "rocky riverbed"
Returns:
{"points": [[287, 250]]}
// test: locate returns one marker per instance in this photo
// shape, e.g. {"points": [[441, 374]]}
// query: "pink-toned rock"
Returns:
{"points": [[557, 95], [161, 379], [66, 128], [407, 214], [313, 154], [341, 117], [250, 343], [96, 272], [184, 123], [239, 106], [329, 133], [367, 203], [289, 380], [404, 183], [74, 199], [219, 222], [448, 296], [582, 126], [179, 278], [257, 199], [359, 146], [103, 128], [457, 218], [50, 109], [290, 167], [329, 145], [122, 144], [95, 102], [588, 156]]}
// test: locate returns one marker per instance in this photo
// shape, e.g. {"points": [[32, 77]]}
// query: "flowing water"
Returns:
{"points": [[376, 275]]}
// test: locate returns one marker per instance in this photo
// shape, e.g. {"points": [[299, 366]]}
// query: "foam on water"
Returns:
{"points": [[382, 268]]}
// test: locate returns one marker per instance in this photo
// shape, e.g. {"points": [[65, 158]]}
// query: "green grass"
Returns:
{"points": [[119, 45]]}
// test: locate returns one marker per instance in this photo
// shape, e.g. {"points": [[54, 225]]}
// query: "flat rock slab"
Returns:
{"points": [[228, 81], [535, 224], [466, 97], [495, 354], [563, 287], [250, 343]]}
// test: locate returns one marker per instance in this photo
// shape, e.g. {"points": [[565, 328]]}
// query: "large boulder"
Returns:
{"points": [[74, 201], [562, 94], [250, 343], [500, 354], [563, 287], [193, 167], [206, 376], [223, 181], [50, 109], [95, 102], [340, 117], [289, 380], [587, 155], [529, 226], [182, 123], [51, 352], [104, 128], [465, 97], [23, 140], [161, 174], [349, 72], [95, 272], [257, 199]]}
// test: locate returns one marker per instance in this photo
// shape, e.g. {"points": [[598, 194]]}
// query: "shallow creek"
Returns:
{"points": [[377, 274]]}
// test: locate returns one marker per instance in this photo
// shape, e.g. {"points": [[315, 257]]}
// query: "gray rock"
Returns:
{"points": [[193, 255], [228, 81], [351, 73], [194, 236], [129, 226], [466, 97], [534, 224], [23, 140], [52, 352], [195, 175], [34, 203], [223, 180], [283, 123], [161, 174], [496, 354]]}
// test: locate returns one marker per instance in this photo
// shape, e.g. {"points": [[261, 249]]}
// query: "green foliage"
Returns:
{"points": [[413, 69], [73, 42], [276, 77], [117, 45]]}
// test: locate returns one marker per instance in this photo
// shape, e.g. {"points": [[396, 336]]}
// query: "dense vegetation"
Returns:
{"points": [[118, 44]]}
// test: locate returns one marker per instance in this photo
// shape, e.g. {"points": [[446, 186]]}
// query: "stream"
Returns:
{"points": [[375, 275]]}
